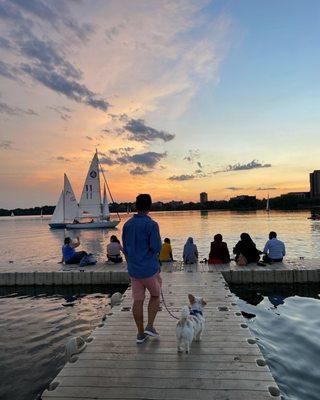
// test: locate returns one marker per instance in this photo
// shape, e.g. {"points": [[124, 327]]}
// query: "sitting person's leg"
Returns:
{"points": [[77, 257]]}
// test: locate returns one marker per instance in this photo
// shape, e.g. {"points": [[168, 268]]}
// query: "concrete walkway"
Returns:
{"points": [[225, 365]]}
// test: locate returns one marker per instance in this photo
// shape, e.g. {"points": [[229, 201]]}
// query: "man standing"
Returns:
{"points": [[274, 249], [141, 245]]}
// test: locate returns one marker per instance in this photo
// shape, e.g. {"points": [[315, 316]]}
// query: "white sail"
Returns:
{"points": [[268, 206], [58, 214], [71, 209], [90, 201], [105, 204]]}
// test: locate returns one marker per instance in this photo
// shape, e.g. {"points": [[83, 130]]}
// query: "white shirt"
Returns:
{"points": [[113, 249], [275, 249]]}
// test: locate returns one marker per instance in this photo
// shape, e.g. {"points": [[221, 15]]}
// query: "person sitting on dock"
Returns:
{"points": [[246, 251], [113, 250], [219, 252], [190, 252], [141, 246], [69, 255], [166, 251], [274, 249]]}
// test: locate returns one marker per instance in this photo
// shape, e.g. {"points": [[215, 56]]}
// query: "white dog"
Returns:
{"points": [[191, 323]]}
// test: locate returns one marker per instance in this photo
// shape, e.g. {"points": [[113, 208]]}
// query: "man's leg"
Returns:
{"points": [[153, 308], [137, 311], [138, 294], [153, 285]]}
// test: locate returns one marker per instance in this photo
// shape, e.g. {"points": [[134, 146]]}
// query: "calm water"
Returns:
{"points": [[287, 326], [34, 328], [29, 239]]}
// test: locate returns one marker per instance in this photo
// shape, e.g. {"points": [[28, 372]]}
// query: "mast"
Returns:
{"points": [[64, 197]]}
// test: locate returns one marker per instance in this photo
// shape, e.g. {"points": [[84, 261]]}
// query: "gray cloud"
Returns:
{"points": [[6, 144], [55, 13], [148, 159], [5, 44], [8, 71], [183, 177], [254, 164], [61, 158], [11, 110], [234, 188], [139, 171], [266, 188], [63, 112], [46, 62], [192, 156], [70, 88], [46, 55], [140, 132]]}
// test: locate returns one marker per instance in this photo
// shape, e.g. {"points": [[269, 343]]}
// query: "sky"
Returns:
{"points": [[179, 97]]}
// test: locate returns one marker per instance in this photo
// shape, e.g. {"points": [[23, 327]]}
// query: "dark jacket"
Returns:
{"points": [[248, 249], [219, 250]]}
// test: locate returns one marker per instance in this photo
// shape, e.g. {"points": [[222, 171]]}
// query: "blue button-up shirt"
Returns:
{"points": [[141, 244], [275, 249]]}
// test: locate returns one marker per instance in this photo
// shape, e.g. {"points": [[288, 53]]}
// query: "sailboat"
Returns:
{"points": [[268, 206], [67, 207], [91, 204], [12, 214]]}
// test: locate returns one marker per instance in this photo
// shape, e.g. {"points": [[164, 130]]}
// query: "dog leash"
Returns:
{"points": [[165, 306]]}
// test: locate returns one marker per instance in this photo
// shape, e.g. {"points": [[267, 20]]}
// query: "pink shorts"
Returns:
{"points": [[139, 286]]}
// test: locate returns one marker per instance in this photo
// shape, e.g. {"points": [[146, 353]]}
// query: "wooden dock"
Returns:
{"points": [[225, 365], [51, 273]]}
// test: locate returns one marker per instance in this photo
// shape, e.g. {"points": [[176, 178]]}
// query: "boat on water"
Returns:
{"points": [[12, 214], [93, 210], [268, 205], [67, 207]]}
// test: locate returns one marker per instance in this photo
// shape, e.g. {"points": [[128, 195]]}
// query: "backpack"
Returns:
{"points": [[89, 259]]}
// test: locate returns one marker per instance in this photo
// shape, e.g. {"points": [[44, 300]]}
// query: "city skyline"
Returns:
{"points": [[179, 98]]}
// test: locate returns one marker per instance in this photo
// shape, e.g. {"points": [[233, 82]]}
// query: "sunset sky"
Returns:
{"points": [[178, 96]]}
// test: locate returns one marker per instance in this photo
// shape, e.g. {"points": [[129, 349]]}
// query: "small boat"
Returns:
{"points": [[268, 205], [12, 214], [91, 205], [67, 207]]}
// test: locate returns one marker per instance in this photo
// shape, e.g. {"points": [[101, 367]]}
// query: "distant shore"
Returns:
{"points": [[284, 202]]}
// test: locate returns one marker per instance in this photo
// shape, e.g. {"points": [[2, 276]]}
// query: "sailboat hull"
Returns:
{"points": [[94, 225], [58, 225]]}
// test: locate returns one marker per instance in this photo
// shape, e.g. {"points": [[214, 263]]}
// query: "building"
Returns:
{"points": [[203, 197], [315, 184], [301, 195]]}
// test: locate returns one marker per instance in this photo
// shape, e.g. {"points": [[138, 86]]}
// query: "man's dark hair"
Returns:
{"points": [[167, 240], [272, 235], [143, 202], [67, 240]]}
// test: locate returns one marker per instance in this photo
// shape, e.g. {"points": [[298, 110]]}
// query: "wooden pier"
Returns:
{"points": [[225, 365]]}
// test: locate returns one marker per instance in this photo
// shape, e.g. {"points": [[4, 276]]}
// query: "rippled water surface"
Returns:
{"points": [[287, 326], [34, 328], [29, 239]]}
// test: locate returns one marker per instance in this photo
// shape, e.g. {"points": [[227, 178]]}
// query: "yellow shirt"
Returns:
{"points": [[165, 253]]}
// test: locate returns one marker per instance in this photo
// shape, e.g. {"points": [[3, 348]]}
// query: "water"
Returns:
{"points": [[287, 326], [34, 328], [29, 239]]}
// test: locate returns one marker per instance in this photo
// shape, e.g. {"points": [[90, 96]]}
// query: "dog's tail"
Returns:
{"points": [[184, 313]]}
